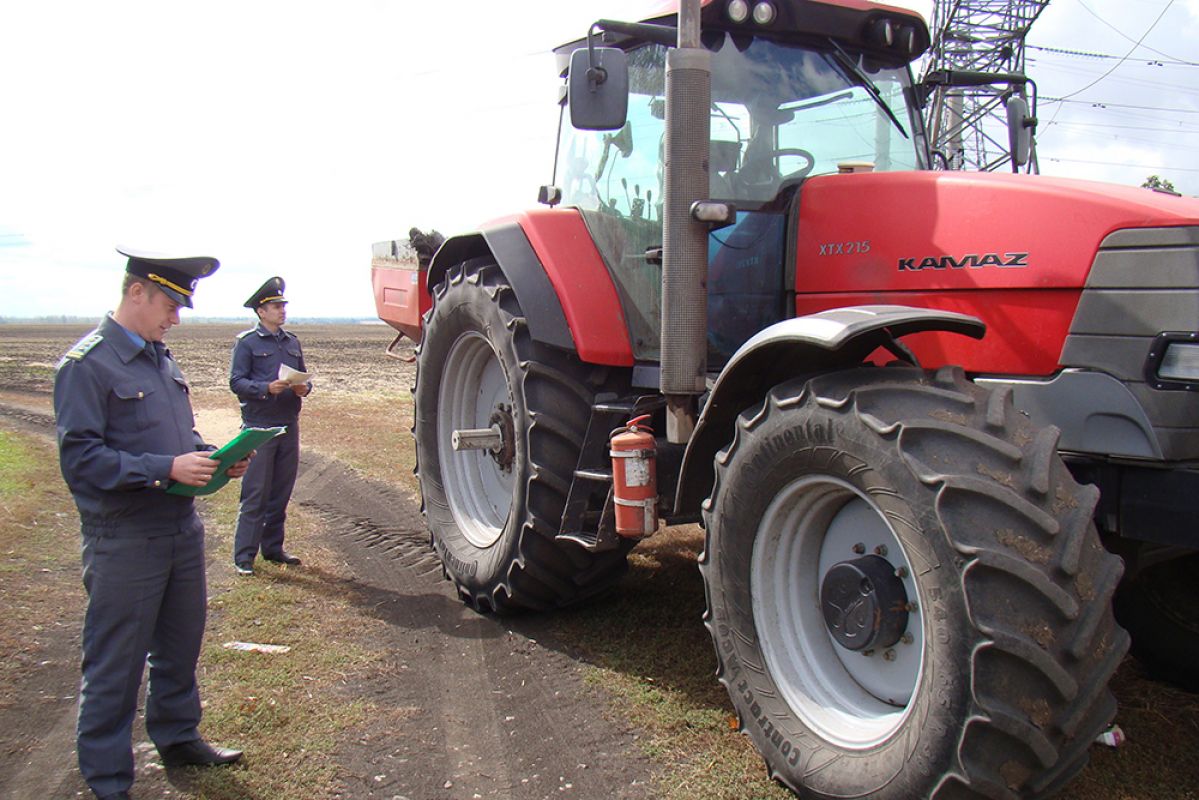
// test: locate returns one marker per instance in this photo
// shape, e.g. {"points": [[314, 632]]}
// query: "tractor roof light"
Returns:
{"points": [[886, 32], [764, 13], [738, 11]]}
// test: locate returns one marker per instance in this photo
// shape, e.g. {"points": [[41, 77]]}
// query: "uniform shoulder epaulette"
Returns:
{"points": [[244, 334], [84, 346]]}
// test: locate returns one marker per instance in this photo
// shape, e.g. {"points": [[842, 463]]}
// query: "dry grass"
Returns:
{"points": [[649, 649], [287, 710], [39, 555], [370, 433]]}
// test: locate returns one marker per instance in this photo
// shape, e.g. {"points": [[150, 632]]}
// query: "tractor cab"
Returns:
{"points": [[790, 99]]}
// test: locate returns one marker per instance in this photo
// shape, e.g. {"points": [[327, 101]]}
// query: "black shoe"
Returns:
{"points": [[113, 796], [197, 753], [244, 568], [283, 558]]}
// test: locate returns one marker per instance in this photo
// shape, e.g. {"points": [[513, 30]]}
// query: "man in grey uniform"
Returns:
{"points": [[267, 401], [126, 434]]}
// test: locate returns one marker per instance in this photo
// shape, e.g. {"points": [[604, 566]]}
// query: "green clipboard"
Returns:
{"points": [[235, 450]]}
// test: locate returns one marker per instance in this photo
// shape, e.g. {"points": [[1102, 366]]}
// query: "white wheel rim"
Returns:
{"points": [[479, 491], [850, 699]]}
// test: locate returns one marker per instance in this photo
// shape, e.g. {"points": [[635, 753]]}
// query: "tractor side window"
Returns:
{"points": [[615, 179], [619, 172]]}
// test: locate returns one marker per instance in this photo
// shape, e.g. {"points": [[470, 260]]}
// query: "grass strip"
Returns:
{"points": [[647, 647], [288, 711]]}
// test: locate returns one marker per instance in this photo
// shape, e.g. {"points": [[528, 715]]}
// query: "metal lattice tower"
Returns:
{"points": [[968, 124]]}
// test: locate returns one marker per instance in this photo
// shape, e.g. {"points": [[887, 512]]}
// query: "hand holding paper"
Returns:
{"points": [[293, 376]]}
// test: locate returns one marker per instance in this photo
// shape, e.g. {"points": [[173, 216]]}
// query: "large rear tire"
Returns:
{"points": [[906, 591], [494, 515]]}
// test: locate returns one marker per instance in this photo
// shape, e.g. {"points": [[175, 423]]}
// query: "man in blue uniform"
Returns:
{"points": [[267, 401], [126, 434]]}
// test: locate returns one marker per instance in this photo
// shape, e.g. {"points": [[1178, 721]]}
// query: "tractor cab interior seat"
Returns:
{"points": [[722, 157]]}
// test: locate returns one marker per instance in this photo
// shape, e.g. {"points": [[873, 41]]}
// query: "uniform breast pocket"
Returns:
{"points": [[132, 405], [261, 369]]}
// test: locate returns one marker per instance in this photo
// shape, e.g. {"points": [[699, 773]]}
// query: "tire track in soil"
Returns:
{"points": [[28, 419], [470, 706]]}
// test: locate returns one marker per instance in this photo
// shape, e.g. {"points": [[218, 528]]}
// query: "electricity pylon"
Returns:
{"points": [[967, 124]]}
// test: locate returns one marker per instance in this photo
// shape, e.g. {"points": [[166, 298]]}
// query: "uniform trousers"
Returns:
{"points": [[146, 596], [265, 492]]}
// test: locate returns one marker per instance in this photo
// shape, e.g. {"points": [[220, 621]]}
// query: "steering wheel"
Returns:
{"points": [[797, 152], [758, 170]]}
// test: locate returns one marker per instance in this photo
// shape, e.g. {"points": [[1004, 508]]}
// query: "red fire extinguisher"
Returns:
{"points": [[634, 478]]}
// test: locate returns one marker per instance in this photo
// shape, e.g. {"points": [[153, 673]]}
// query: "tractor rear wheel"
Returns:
{"points": [[1160, 607], [494, 511], [906, 591]]}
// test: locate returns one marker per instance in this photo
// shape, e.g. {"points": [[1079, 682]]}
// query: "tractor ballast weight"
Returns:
{"points": [[907, 590]]}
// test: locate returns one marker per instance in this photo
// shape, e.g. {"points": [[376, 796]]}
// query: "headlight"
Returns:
{"points": [[1180, 363], [1173, 362], [738, 11]]}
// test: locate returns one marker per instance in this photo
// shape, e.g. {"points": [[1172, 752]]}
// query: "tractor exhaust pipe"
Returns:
{"points": [[685, 241]]}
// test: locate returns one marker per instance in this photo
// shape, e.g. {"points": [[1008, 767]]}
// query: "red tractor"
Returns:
{"points": [[745, 246]]}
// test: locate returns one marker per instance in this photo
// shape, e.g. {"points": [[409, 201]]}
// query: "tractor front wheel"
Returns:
{"points": [[499, 423], [906, 592]]}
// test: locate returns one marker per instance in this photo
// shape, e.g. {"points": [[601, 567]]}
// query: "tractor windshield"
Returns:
{"points": [[780, 112]]}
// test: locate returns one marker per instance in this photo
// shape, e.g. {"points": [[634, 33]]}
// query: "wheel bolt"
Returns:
{"points": [[901, 572], [868, 653], [907, 638], [881, 550], [910, 607], [889, 655], [859, 548]]}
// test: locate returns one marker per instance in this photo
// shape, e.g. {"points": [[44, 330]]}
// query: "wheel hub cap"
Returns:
{"points": [[864, 603]]}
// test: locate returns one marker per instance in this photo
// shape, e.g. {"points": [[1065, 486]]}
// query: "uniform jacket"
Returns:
{"points": [[123, 413], [257, 354]]}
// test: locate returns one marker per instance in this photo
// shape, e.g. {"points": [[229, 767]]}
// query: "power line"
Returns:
{"points": [[1084, 54], [1127, 127], [1125, 35], [1171, 167], [1101, 136], [1103, 104], [1126, 55], [1174, 87]]}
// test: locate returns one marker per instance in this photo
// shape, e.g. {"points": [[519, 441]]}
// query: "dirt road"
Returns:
{"points": [[477, 707]]}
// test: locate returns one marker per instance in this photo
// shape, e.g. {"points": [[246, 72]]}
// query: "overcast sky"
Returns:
{"points": [[285, 137]]}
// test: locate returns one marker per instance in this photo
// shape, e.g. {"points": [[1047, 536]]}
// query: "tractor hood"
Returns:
{"points": [[921, 231], [1013, 250]]}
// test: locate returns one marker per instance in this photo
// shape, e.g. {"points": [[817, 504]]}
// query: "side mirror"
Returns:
{"points": [[1019, 130], [599, 88]]}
